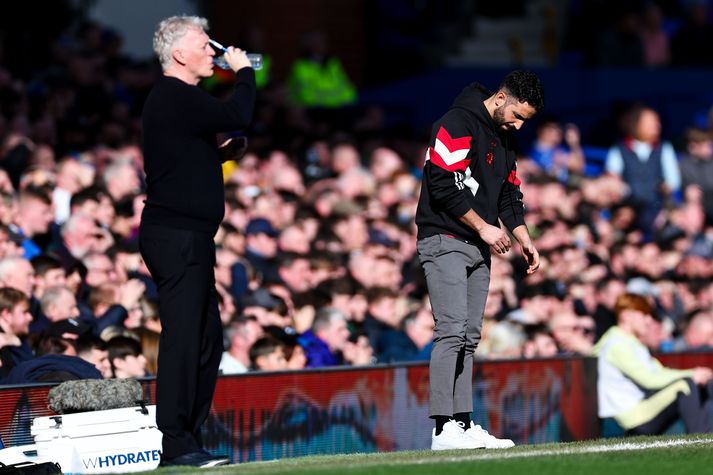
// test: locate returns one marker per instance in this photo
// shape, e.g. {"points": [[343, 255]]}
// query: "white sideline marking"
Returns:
{"points": [[375, 458], [620, 447]]}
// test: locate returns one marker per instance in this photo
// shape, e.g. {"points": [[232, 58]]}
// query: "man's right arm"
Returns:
{"points": [[214, 115]]}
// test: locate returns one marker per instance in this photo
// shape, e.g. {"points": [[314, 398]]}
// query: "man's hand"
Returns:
{"points": [[529, 252], [236, 58], [701, 375], [532, 257], [495, 237]]}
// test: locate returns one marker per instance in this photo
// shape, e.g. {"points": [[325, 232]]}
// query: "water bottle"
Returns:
{"points": [[255, 61], [254, 58]]}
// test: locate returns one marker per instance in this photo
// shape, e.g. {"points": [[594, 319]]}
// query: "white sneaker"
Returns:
{"points": [[482, 437], [454, 436]]}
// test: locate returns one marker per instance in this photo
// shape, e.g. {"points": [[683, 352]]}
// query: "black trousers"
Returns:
{"points": [[181, 263], [692, 408]]}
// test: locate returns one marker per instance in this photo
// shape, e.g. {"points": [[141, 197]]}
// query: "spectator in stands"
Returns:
{"points": [[15, 321], [539, 342], [10, 242], [69, 182], [94, 350], [52, 367], [323, 266], [350, 228], [654, 38], [294, 238], [635, 389], [647, 164], [294, 271], [112, 304], [557, 151], [698, 332], [317, 79], [573, 334], [697, 166], [357, 351], [17, 272], [381, 316], [658, 337], [80, 236], [412, 342], [59, 303], [260, 252], [501, 340], [52, 344], [325, 341], [121, 180], [34, 215], [267, 308], [607, 291], [86, 201], [126, 358], [294, 353], [344, 158], [241, 334], [384, 164], [100, 269], [268, 354], [48, 272]]}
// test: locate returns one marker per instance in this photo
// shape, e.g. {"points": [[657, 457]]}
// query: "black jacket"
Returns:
{"points": [[184, 178], [470, 164]]}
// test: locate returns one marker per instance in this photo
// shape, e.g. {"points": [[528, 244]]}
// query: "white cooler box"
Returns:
{"points": [[112, 441]]}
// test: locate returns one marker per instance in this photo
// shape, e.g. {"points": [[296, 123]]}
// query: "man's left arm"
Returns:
{"points": [[512, 214]]}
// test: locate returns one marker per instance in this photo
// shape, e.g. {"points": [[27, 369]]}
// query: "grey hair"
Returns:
{"points": [[116, 167], [325, 317], [73, 223], [51, 295], [169, 31], [8, 265]]}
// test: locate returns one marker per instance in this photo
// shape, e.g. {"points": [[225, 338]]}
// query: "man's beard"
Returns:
{"points": [[499, 115]]}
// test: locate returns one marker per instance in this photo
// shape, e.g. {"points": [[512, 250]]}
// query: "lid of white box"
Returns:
{"points": [[128, 416]]}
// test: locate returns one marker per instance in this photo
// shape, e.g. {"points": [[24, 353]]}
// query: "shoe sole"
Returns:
{"points": [[440, 447], [214, 463]]}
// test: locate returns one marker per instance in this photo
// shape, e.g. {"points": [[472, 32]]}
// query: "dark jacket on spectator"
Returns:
{"points": [[52, 368]]}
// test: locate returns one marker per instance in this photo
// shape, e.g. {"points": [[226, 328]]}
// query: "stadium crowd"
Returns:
{"points": [[316, 262]]}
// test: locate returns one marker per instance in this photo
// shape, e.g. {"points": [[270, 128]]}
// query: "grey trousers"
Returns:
{"points": [[457, 277]]}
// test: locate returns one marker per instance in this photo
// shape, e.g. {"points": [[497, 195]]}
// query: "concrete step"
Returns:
{"points": [[487, 27], [476, 48], [532, 61]]}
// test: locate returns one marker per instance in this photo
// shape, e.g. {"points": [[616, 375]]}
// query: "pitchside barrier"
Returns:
{"points": [[266, 416]]}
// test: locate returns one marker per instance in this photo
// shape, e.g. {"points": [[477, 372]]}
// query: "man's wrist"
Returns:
{"points": [[521, 233]]}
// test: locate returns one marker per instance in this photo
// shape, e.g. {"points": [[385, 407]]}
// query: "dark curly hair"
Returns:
{"points": [[525, 86]]}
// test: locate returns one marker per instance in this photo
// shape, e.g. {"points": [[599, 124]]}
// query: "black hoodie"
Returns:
{"points": [[470, 164]]}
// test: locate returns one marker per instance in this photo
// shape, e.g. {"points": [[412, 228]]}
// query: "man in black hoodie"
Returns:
{"points": [[469, 187], [184, 207]]}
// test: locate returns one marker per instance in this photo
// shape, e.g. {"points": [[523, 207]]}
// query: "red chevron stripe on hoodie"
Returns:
{"points": [[449, 153]]}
